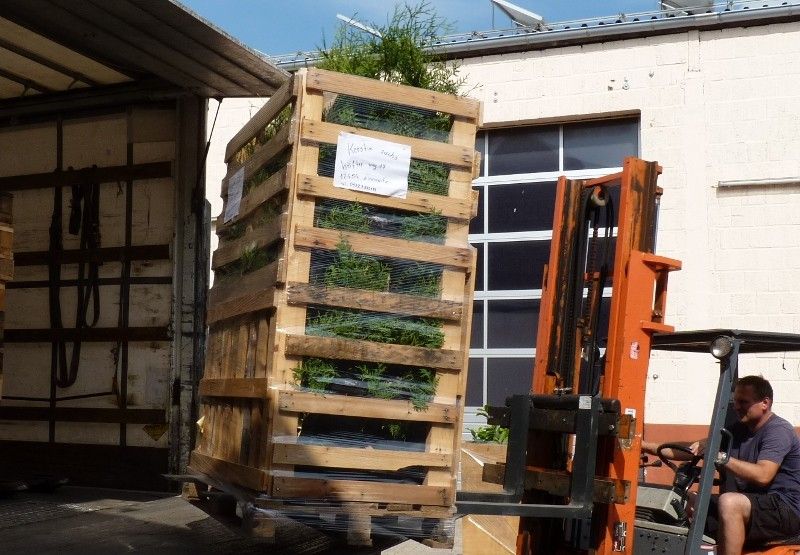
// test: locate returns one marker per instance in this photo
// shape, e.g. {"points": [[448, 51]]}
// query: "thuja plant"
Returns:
{"points": [[398, 53]]}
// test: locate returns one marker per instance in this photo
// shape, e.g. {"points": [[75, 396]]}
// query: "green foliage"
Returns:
{"points": [[315, 374], [490, 433], [399, 55], [418, 279], [267, 171], [424, 227], [428, 177], [263, 137], [357, 271], [263, 215], [421, 385], [377, 383], [351, 216], [252, 259], [380, 328]]}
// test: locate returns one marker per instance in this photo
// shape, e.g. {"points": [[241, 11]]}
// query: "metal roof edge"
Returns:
{"points": [[477, 44]]}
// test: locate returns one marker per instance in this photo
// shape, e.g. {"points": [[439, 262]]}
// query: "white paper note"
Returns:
{"points": [[235, 186], [372, 165]]}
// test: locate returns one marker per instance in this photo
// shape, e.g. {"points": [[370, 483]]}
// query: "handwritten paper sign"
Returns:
{"points": [[371, 165], [235, 186]]}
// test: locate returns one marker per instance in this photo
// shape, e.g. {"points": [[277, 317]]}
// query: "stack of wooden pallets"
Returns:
{"points": [[339, 320]]}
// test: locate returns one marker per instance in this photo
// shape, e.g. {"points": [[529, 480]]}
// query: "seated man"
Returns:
{"points": [[760, 499]]}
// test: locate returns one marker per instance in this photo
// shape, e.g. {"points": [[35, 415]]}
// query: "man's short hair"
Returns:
{"points": [[761, 387]]}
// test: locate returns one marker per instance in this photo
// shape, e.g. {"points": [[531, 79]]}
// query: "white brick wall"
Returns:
{"points": [[714, 106]]}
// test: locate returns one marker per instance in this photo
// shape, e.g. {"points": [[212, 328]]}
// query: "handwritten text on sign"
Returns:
{"points": [[235, 186], [372, 165]]}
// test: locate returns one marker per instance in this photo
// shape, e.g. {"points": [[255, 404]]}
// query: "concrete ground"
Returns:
{"points": [[89, 521]]}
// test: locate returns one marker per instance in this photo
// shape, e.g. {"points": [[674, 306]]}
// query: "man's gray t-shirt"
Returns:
{"points": [[775, 441]]}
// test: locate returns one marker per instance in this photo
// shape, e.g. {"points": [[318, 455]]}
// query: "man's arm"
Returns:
{"points": [[760, 473], [697, 447]]}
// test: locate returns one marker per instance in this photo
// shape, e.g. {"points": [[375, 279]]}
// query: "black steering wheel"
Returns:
{"points": [[677, 447]]}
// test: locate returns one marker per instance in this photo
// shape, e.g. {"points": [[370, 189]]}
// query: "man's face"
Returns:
{"points": [[748, 406]]}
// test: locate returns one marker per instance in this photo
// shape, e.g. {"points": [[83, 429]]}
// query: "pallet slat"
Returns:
{"points": [[421, 149], [265, 114], [340, 405], [256, 239], [389, 92], [258, 195], [364, 459], [368, 351], [456, 208], [377, 301], [356, 490], [312, 237]]}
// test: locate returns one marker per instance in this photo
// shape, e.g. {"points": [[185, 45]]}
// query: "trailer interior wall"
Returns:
{"points": [[127, 417]]}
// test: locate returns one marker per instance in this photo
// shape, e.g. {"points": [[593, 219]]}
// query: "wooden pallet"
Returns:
{"points": [[252, 408]]}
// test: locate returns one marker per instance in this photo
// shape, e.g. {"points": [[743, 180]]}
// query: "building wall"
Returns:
{"points": [[714, 106]]}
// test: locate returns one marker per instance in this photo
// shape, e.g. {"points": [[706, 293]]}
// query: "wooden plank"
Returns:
{"points": [[364, 407], [46, 335], [226, 471], [369, 351], [103, 254], [328, 239], [261, 119], [372, 509], [258, 280], [376, 301], [355, 490], [253, 388], [324, 132], [264, 154], [258, 195], [109, 174], [262, 299], [255, 239], [84, 414], [360, 458], [460, 209], [363, 87]]}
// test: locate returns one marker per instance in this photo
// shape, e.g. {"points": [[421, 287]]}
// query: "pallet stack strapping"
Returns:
{"points": [[304, 443]]}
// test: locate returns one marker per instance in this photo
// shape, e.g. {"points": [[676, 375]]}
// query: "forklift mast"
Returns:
{"points": [[585, 256]]}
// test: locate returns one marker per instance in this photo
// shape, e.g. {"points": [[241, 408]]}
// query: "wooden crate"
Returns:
{"points": [[6, 265], [252, 406]]}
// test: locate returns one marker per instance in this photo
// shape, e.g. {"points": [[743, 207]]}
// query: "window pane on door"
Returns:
{"points": [[521, 207], [475, 383], [476, 224], [517, 265], [476, 341], [523, 150], [512, 323], [480, 146], [506, 377], [600, 144], [478, 266]]}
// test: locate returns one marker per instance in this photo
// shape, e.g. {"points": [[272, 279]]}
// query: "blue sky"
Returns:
{"points": [[285, 26]]}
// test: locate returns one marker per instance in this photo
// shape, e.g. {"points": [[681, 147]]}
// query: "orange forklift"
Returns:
{"points": [[574, 461]]}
